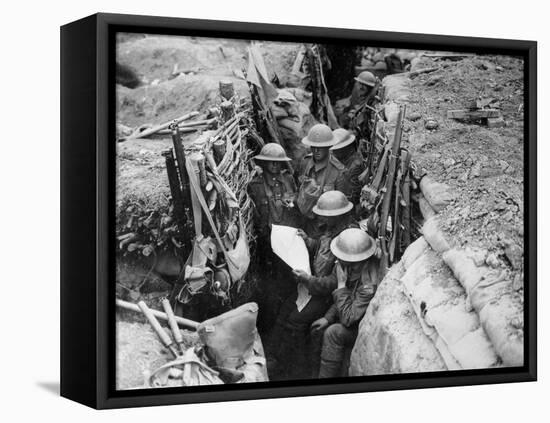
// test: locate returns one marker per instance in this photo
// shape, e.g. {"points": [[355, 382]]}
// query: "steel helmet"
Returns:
{"points": [[344, 138], [366, 78], [353, 245], [320, 135], [272, 152], [332, 203]]}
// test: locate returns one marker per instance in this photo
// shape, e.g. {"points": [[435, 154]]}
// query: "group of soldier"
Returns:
{"points": [[321, 199]]}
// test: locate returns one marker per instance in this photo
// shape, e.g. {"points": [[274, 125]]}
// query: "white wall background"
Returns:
{"points": [[30, 209]]}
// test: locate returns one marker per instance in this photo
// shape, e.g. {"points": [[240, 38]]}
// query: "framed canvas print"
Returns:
{"points": [[256, 211]]}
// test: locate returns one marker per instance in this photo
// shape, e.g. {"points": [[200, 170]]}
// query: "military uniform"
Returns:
{"points": [[329, 177], [349, 306], [354, 166], [272, 195], [323, 259], [296, 350]]}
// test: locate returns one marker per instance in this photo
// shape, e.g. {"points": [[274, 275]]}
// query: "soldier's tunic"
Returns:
{"points": [[354, 166], [349, 306], [294, 349], [271, 194], [330, 176], [319, 249]]}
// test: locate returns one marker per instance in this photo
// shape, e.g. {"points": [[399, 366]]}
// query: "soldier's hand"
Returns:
{"points": [[319, 324], [258, 170], [300, 275]]}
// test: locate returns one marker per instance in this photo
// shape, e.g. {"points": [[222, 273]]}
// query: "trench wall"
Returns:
{"points": [[440, 307]]}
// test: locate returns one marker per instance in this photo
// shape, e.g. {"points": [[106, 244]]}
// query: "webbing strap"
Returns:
{"points": [[198, 196]]}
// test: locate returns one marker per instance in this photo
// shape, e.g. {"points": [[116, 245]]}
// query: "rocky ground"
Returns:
{"points": [[483, 166]]}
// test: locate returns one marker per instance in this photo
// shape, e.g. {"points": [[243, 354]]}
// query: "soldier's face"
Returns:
{"points": [[363, 89], [319, 153], [273, 167], [331, 221]]}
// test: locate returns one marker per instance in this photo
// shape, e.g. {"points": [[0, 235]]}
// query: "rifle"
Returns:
{"points": [[406, 218], [386, 202], [180, 159], [175, 188], [396, 223]]}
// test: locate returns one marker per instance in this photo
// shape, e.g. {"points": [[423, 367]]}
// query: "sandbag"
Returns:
{"points": [[503, 322], [434, 235], [438, 195], [426, 210], [442, 308], [229, 337], [492, 296], [414, 251]]}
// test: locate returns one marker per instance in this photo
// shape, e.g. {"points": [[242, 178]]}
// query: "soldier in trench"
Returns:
{"points": [[293, 351], [346, 152], [320, 172], [273, 192], [355, 111], [352, 285]]}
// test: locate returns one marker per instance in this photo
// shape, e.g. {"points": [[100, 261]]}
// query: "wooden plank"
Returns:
{"points": [[448, 56], [415, 73], [495, 122], [473, 114]]}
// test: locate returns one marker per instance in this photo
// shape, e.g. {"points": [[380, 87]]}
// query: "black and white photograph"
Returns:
{"points": [[292, 211]]}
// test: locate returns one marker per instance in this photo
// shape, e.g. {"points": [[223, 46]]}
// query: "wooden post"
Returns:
{"points": [[227, 90]]}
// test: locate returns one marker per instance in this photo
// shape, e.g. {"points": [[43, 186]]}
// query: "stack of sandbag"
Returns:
{"points": [[441, 306], [489, 291], [491, 295], [390, 338], [291, 108]]}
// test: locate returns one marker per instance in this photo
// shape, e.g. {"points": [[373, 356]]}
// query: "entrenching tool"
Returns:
{"points": [[173, 324], [163, 336], [181, 321]]}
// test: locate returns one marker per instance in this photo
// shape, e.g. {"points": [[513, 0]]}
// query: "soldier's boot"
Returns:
{"points": [[329, 368], [335, 340]]}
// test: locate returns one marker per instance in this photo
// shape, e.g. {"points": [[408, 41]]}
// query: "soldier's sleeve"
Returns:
{"points": [[332, 314], [355, 184], [322, 285], [342, 184], [351, 310], [312, 245], [260, 221]]}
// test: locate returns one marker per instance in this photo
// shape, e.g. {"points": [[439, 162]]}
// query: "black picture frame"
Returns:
{"points": [[87, 210]]}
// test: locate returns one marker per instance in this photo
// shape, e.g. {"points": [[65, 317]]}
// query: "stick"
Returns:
{"points": [[159, 127], [181, 321], [173, 324], [163, 336]]}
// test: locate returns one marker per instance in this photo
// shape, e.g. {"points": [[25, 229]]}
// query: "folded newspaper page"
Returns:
{"points": [[291, 248]]}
